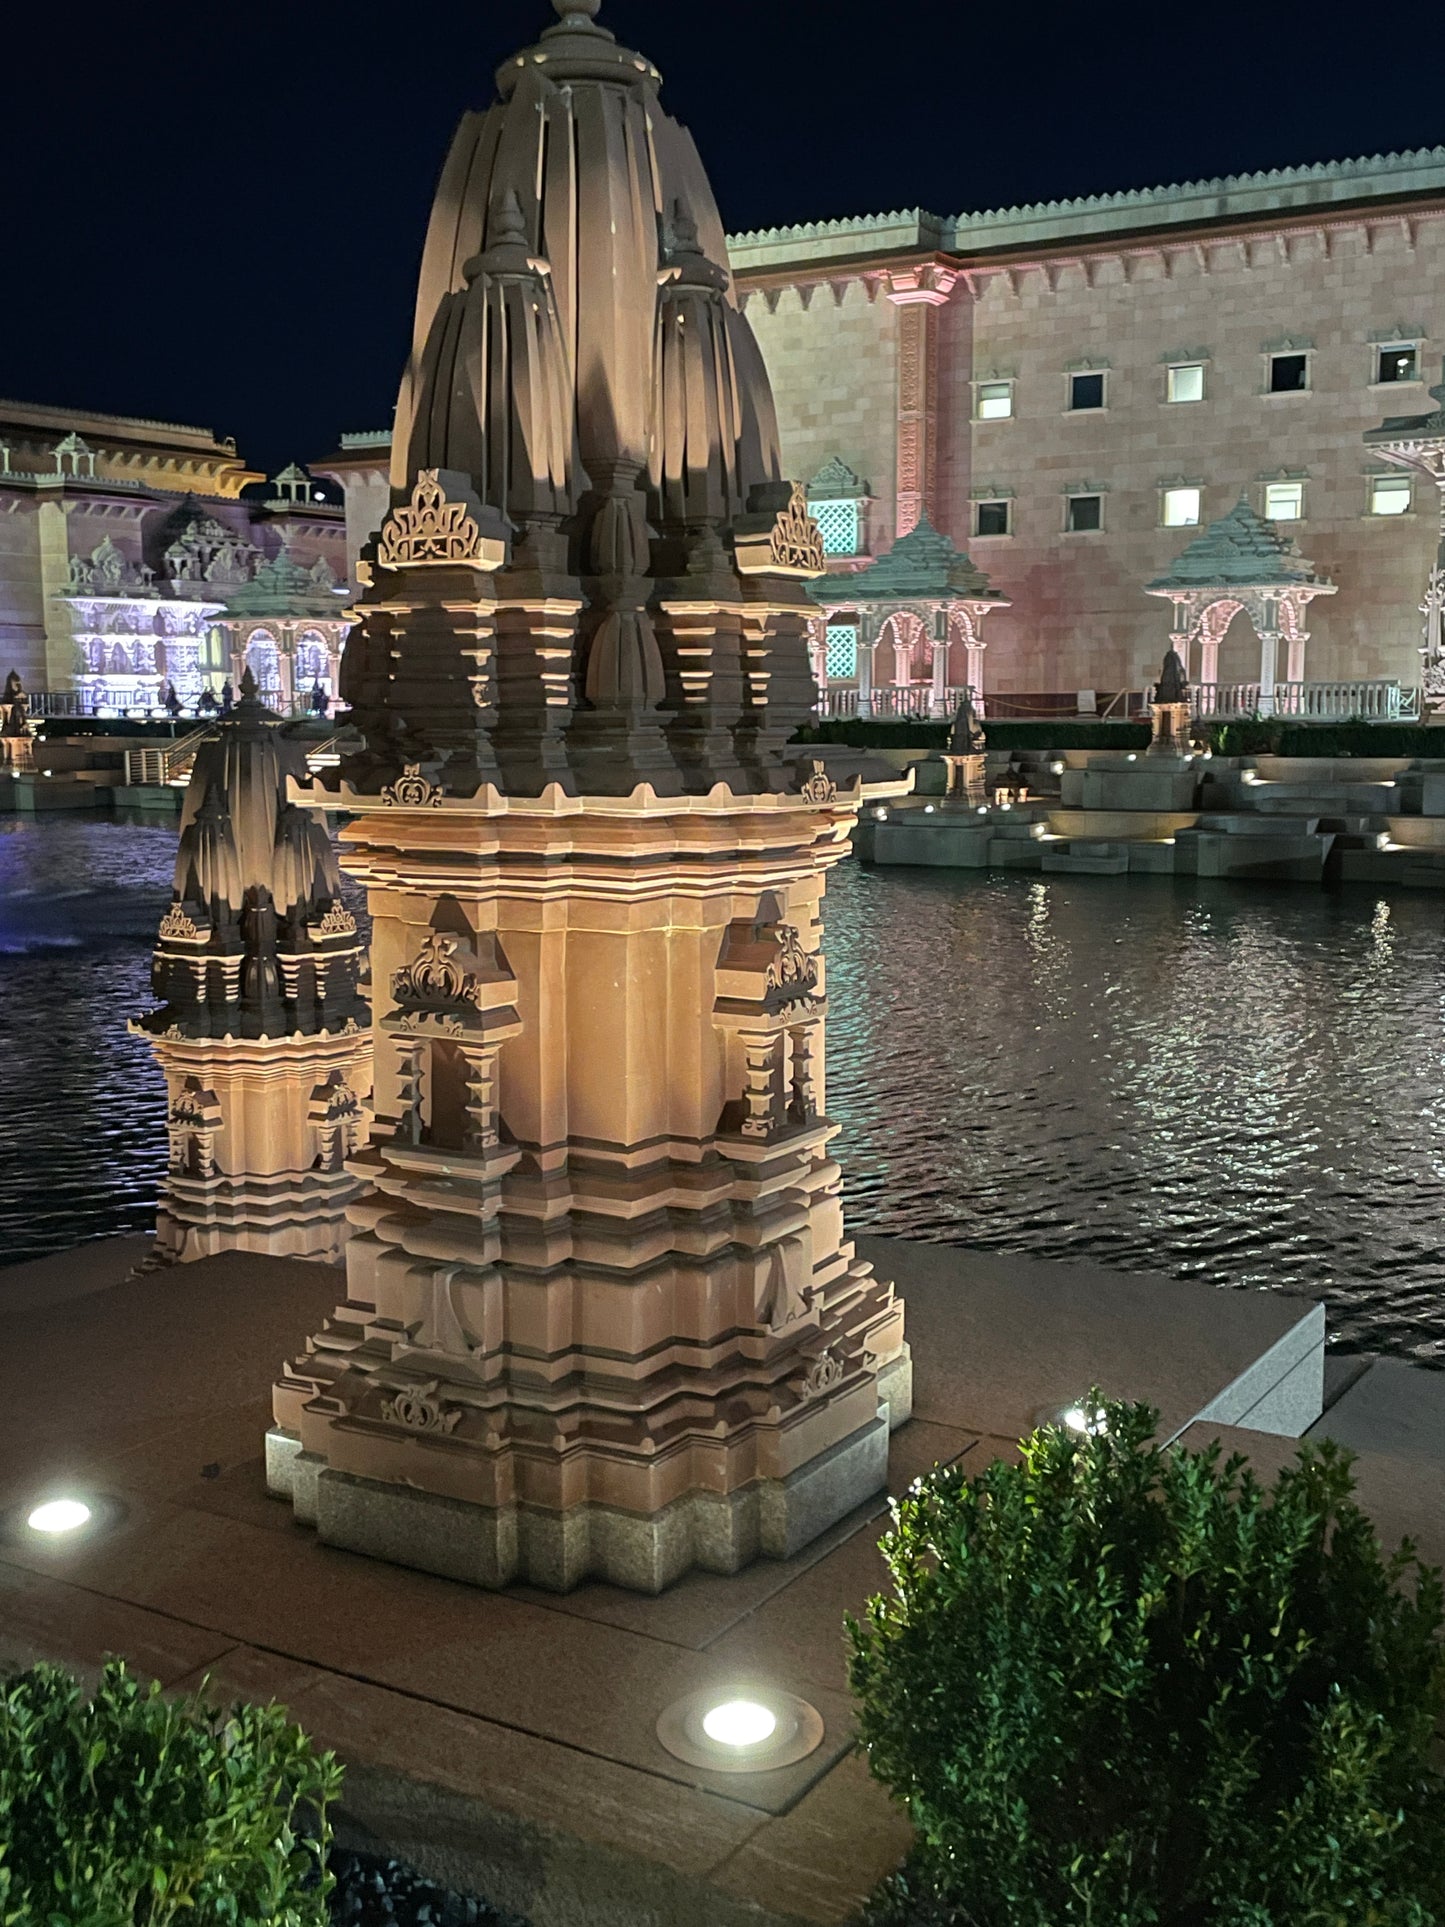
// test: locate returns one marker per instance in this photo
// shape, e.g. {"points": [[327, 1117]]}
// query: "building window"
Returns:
{"points": [[1084, 513], [1185, 382], [839, 524], [1181, 508], [995, 400], [1288, 374], [1400, 362], [1389, 495], [1284, 501], [1086, 391], [991, 518], [840, 663]]}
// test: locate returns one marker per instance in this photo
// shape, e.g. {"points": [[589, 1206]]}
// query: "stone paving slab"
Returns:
{"points": [[506, 1741]]}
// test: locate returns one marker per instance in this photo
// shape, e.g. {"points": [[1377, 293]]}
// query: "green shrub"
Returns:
{"points": [[126, 1809], [1274, 736], [1120, 1683]]}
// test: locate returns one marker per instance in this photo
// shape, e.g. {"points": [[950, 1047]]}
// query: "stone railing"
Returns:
{"points": [[906, 702], [1376, 701]]}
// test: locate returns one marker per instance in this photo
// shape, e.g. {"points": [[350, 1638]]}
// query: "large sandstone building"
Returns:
{"points": [[137, 554], [1069, 391]]}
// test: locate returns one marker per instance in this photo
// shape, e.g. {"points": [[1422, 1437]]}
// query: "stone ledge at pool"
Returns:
{"points": [[1376, 820]]}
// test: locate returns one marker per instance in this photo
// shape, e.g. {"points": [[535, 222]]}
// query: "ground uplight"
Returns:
{"points": [[739, 1723], [59, 1515], [741, 1728]]}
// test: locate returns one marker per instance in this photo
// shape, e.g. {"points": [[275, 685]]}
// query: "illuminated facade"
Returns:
{"points": [[1070, 392], [123, 544]]}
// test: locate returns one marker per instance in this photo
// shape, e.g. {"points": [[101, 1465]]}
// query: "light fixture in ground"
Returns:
{"points": [[59, 1518], [740, 1728], [1074, 1417]]}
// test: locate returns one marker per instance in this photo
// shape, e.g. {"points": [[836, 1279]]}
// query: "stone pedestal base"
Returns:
{"points": [[495, 1547]]}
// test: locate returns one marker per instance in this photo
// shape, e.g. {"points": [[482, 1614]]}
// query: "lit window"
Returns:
{"points": [[1085, 512], [1186, 382], [1284, 501], [839, 524], [841, 661], [995, 400], [1389, 495], [1400, 363], [1086, 391], [1288, 374], [991, 518], [1181, 508]]}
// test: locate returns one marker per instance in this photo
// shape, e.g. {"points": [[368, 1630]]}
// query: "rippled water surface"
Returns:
{"points": [[1208, 1079]]}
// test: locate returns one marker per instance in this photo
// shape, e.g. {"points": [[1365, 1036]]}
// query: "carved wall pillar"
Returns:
{"points": [[917, 293]]}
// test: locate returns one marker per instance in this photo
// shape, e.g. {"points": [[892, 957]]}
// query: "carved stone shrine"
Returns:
{"points": [[261, 1032], [601, 1317]]}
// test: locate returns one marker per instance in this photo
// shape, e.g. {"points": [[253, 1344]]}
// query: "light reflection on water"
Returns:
{"points": [[1210, 1079]]}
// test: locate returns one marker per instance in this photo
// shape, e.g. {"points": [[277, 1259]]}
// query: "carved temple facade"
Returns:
{"points": [[601, 1314], [140, 555]]}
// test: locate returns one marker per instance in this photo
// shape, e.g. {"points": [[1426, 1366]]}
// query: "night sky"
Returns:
{"points": [[213, 214]]}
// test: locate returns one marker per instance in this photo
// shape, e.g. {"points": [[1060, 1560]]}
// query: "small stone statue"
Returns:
{"points": [[207, 701], [1173, 684], [1171, 721], [966, 737], [16, 706], [320, 701], [228, 697], [172, 702]]}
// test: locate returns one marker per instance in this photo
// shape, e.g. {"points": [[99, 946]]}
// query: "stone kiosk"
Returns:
{"points": [[601, 1316]]}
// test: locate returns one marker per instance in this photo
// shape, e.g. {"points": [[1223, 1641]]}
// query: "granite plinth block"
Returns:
{"points": [[493, 1546]]}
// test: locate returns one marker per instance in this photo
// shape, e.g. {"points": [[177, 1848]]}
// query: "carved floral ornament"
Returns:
{"points": [[420, 1410], [819, 788], [412, 791], [792, 544], [792, 977], [177, 925], [433, 529], [337, 922], [434, 984]]}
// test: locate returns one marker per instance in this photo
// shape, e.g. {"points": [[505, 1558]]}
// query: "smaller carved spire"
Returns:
{"points": [[575, 13], [248, 685]]}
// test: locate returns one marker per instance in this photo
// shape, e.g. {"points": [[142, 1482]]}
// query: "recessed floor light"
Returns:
{"points": [[740, 1729], [59, 1515], [60, 1519]]}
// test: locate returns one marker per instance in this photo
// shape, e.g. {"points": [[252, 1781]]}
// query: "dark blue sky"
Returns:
{"points": [[213, 213]]}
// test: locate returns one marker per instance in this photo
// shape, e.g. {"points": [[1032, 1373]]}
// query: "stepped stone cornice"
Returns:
{"points": [[1317, 187]]}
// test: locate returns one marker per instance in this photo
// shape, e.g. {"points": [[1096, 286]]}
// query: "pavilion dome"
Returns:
{"points": [[1241, 550], [922, 566]]}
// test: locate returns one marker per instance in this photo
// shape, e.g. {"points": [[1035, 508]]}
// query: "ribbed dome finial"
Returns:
{"points": [[574, 12]]}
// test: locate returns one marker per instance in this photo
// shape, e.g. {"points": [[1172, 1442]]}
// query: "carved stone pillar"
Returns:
{"points": [[866, 634], [938, 709], [916, 293], [1267, 622]]}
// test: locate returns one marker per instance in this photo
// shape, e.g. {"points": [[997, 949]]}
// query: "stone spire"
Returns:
{"points": [[256, 942], [261, 1031], [585, 389], [601, 1313]]}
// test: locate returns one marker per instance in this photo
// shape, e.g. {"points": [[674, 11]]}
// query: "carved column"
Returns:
{"points": [[938, 695], [866, 633], [1267, 624], [916, 293]]}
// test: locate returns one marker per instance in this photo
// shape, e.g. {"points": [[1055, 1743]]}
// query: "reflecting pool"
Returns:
{"points": [[1213, 1080]]}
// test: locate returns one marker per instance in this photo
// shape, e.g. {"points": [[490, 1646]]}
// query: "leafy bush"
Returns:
{"points": [[130, 1810], [1120, 1683]]}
